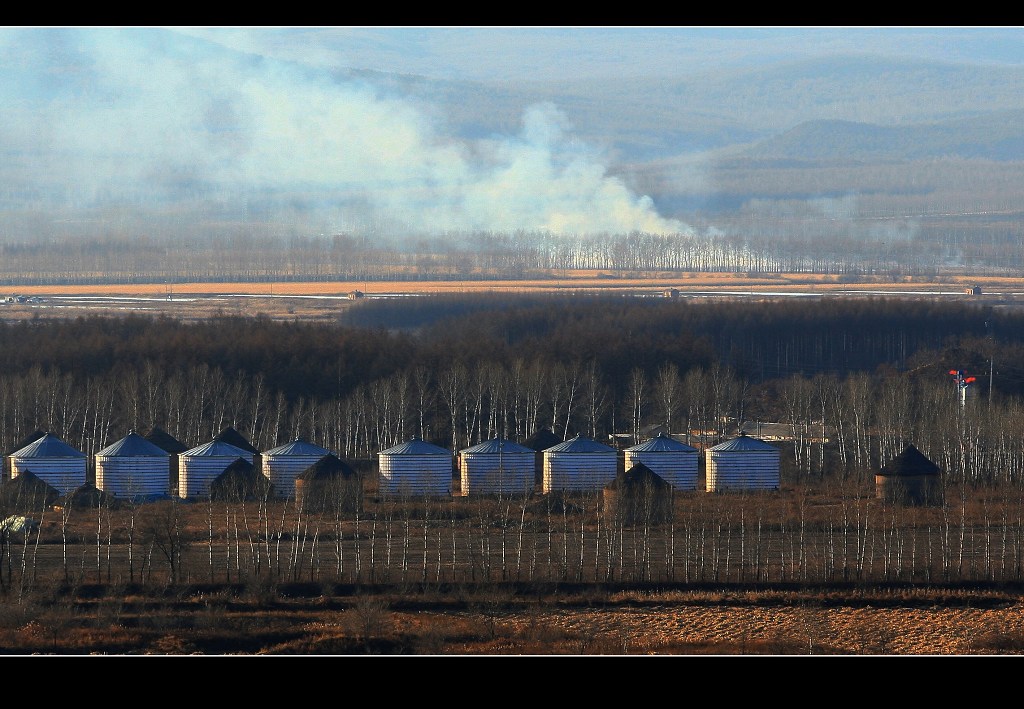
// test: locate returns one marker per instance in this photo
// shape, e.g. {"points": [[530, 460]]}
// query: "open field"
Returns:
{"points": [[323, 300], [458, 577]]}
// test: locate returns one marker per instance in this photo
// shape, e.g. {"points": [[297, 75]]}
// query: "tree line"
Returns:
{"points": [[852, 380]]}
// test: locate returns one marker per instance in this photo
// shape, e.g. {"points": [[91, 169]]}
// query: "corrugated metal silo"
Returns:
{"points": [[415, 469], [281, 465], [199, 466], [579, 465], [743, 463], [53, 461], [497, 466], [133, 468], [674, 462]]}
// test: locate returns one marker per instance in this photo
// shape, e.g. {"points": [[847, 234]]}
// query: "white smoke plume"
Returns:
{"points": [[149, 119]]}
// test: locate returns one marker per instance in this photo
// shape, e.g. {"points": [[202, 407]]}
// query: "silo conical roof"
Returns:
{"points": [[662, 442], [298, 447], [743, 442], [30, 438], [416, 447], [497, 445], [133, 446], [579, 444], [216, 448], [49, 446]]}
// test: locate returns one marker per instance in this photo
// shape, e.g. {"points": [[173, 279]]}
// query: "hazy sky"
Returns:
{"points": [[255, 123]]}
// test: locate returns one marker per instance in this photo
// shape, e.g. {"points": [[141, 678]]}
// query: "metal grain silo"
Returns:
{"points": [[743, 463], [497, 466], [579, 465], [676, 463], [199, 466], [53, 461], [415, 469], [281, 465], [134, 468]]}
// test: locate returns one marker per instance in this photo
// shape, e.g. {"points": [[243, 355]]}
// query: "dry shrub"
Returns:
{"points": [[171, 645], [368, 617], [1001, 643]]}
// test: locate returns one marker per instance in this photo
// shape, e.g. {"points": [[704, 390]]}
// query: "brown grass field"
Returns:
{"points": [[323, 300]]}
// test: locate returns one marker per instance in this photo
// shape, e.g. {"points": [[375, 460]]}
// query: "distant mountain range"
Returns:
{"points": [[310, 128]]}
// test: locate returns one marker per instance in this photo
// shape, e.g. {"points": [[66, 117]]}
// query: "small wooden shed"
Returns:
{"points": [[638, 496], [909, 479], [240, 482], [329, 485]]}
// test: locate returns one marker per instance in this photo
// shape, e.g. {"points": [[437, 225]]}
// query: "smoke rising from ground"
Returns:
{"points": [[149, 121]]}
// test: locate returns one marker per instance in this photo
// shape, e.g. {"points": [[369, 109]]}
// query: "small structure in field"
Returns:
{"points": [[199, 466], [743, 463], [497, 466], [86, 496], [415, 469], [133, 468], [329, 485], [27, 493], [53, 461], [579, 465], [281, 465], [637, 496], [909, 479], [675, 462], [240, 482]]}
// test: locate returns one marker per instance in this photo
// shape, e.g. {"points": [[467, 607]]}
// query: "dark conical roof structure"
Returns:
{"points": [[330, 467], [30, 438], [638, 477], [240, 481], [87, 496], [542, 439], [230, 435], [910, 461], [162, 439], [28, 491]]}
